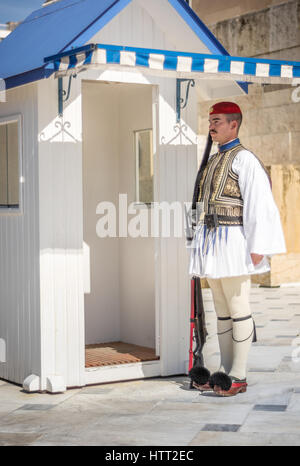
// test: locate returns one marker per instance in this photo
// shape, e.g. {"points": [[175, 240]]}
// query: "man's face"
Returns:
{"points": [[221, 130]]}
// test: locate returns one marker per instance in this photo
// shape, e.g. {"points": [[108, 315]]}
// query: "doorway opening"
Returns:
{"points": [[119, 267]]}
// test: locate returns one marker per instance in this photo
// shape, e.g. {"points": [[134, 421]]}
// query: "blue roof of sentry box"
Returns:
{"points": [[71, 23]]}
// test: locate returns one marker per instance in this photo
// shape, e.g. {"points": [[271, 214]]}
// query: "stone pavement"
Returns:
{"points": [[163, 411]]}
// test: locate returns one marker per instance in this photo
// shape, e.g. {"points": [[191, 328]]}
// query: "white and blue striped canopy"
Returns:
{"points": [[176, 64]]}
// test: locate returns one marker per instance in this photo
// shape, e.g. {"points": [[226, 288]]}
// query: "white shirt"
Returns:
{"points": [[225, 251]]}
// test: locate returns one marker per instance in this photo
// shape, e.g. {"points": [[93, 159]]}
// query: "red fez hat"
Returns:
{"points": [[224, 107]]}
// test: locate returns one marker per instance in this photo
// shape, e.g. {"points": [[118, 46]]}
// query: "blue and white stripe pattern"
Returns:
{"points": [[178, 64]]}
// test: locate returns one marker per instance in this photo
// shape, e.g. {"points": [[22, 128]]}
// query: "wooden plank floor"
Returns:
{"points": [[108, 354]]}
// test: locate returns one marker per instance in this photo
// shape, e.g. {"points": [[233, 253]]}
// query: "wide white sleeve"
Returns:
{"points": [[261, 219]]}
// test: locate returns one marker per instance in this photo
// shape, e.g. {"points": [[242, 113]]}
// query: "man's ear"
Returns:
{"points": [[234, 124]]}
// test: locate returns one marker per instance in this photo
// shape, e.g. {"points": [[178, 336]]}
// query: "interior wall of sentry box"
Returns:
{"points": [[119, 272]]}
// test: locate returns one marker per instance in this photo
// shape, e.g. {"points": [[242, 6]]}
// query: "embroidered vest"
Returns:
{"points": [[219, 189]]}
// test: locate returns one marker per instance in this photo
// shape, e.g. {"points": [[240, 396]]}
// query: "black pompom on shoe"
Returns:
{"points": [[220, 379], [200, 375]]}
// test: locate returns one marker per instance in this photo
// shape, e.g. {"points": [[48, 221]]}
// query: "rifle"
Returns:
{"points": [[198, 331]]}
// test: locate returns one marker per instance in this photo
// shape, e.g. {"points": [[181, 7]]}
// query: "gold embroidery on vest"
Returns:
{"points": [[219, 188]]}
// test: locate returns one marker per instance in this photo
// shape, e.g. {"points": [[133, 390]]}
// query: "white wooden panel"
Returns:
{"points": [[178, 165], [19, 252], [134, 27], [75, 357], [187, 170], [167, 19], [60, 184]]}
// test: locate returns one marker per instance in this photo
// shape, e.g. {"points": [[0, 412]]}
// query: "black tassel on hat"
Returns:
{"points": [[220, 379], [199, 375]]}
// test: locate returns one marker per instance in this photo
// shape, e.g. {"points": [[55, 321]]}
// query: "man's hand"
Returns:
{"points": [[256, 258]]}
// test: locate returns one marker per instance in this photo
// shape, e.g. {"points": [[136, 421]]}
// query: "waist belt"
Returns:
{"points": [[215, 220]]}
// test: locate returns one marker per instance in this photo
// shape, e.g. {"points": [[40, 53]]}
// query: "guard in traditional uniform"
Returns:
{"points": [[238, 229]]}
